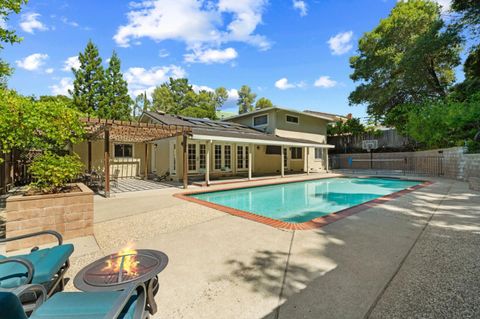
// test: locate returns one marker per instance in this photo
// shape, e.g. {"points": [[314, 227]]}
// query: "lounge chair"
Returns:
{"points": [[45, 267], [129, 303]]}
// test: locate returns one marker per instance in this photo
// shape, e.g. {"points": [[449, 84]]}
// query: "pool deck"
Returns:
{"points": [[414, 256]]}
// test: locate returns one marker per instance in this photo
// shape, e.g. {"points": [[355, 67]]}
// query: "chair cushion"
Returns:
{"points": [[83, 305], [10, 306], [46, 262]]}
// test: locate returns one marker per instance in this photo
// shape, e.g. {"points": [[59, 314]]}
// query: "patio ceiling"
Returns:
{"points": [[127, 131]]}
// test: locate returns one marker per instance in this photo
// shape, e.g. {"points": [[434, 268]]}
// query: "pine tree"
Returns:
{"points": [[246, 98], [115, 103], [88, 84]]}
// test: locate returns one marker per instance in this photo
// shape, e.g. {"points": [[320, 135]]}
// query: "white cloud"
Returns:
{"points": [[140, 79], [163, 53], [69, 22], [62, 87], [301, 6], [32, 62], [210, 56], [283, 84], [71, 62], [49, 70], [29, 22], [197, 23], [325, 82], [198, 88], [341, 43]]}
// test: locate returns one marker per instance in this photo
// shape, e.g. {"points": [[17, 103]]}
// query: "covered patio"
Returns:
{"points": [[126, 131]]}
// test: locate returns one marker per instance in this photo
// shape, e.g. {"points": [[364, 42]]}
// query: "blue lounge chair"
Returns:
{"points": [[126, 304], [41, 266]]}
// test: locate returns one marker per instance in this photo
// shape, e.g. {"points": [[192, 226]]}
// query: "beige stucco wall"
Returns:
{"points": [[128, 167]]}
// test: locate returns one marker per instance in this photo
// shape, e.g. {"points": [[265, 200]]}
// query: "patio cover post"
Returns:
{"points": [[307, 159], [326, 159], [185, 161], [207, 162], [89, 155], [106, 165], [146, 162], [249, 162], [282, 162]]}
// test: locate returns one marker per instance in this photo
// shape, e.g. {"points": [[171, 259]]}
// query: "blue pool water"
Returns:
{"points": [[303, 201]]}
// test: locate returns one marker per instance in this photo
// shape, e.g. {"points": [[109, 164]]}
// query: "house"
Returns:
{"points": [[272, 141]]}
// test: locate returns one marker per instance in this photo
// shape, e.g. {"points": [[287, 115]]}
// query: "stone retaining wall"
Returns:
{"points": [[70, 214]]}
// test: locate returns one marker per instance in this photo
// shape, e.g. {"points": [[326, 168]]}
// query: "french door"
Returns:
{"points": [[222, 157], [196, 155], [286, 162], [242, 157]]}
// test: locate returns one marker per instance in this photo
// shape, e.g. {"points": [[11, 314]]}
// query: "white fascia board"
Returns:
{"points": [[255, 141]]}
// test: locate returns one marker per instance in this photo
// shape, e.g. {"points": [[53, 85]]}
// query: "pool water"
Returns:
{"points": [[300, 202]]}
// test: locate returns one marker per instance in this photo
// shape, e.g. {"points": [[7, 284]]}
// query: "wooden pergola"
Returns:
{"points": [[133, 132]]}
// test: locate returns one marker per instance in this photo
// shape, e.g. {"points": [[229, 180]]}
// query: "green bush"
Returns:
{"points": [[52, 172]]}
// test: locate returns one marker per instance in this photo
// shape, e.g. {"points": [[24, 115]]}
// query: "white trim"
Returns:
{"points": [[257, 142], [293, 123], [326, 118], [261, 125]]}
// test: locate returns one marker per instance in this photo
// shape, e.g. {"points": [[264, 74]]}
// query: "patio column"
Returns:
{"points": [[89, 156], [307, 159], [249, 162], [146, 163], [207, 162], [106, 164], [326, 159], [282, 162], [185, 161]]}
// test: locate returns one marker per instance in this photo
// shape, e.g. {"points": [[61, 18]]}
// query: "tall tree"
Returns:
{"points": [[246, 98], [263, 103], [115, 102], [470, 13], [408, 58], [142, 104], [89, 80], [7, 36]]}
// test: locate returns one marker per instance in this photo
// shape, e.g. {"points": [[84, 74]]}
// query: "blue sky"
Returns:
{"points": [[290, 51]]}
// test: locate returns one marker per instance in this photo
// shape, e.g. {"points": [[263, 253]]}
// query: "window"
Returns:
{"points": [[218, 156], [246, 157], [239, 156], [273, 150], [318, 153], [124, 150], [203, 157], [260, 120], [192, 157], [296, 152], [292, 119], [227, 157]]}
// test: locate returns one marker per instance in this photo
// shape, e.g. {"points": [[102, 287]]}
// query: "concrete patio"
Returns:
{"points": [[415, 256]]}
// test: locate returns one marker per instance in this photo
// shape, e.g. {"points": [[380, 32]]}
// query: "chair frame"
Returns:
{"points": [[56, 281]]}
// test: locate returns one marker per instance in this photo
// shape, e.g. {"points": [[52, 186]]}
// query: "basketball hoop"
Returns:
{"points": [[369, 145]]}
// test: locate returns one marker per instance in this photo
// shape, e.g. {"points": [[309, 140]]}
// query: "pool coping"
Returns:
{"points": [[311, 224]]}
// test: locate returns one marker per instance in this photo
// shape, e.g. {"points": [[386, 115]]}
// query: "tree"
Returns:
{"points": [[8, 7], [408, 58], [115, 101], [263, 103], [246, 98], [142, 104], [221, 96], [88, 85], [469, 11]]}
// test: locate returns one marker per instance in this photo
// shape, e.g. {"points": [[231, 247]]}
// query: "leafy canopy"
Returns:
{"points": [[178, 97], [246, 98], [263, 103], [408, 58]]}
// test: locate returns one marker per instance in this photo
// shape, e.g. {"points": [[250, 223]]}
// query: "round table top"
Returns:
{"points": [[108, 273]]}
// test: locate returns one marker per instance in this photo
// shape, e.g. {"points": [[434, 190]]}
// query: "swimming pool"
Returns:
{"points": [[300, 202]]}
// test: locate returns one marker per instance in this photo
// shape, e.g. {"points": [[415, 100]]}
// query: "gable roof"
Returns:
{"points": [[320, 115]]}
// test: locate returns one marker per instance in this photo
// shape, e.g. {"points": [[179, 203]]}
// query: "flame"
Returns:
{"points": [[130, 263]]}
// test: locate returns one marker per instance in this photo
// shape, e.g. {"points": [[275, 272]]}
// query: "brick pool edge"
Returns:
{"points": [[312, 224]]}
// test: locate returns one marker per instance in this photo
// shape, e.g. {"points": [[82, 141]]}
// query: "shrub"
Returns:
{"points": [[52, 172]]}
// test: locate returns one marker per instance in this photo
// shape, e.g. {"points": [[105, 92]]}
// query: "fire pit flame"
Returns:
{"points": [[125, 262]]}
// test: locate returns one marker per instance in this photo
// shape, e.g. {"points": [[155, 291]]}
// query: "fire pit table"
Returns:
{"points": [[117, 271]]}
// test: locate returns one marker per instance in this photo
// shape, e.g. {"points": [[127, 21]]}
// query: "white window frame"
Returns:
{"points": [[222, 157], [244, 158], [318, 159], [288, 122], [173, 158], [261, 125], [291, 154], [133, 150]]}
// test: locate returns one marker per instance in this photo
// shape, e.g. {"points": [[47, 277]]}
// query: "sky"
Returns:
{"points": [[293, 52]]}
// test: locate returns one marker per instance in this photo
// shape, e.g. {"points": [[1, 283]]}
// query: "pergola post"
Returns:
{"points": [[89, 155], [207, 162], [250, 162], [106, 165], [185, 161], [145, 177], [307, 159], [282, 166], [326, 159]]}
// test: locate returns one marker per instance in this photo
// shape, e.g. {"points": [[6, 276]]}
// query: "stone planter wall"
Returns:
{"points": [[70, 214]]}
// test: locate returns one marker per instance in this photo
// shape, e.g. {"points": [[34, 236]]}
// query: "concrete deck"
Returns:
{"points": [[415, 256]]}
